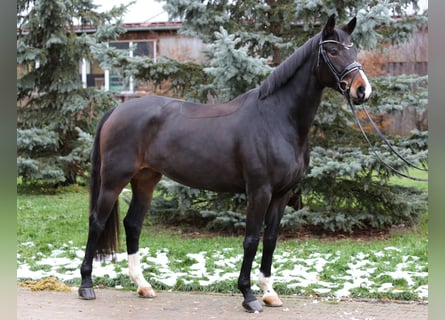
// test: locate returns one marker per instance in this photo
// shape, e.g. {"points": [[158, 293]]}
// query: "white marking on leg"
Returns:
{"points": [[135, 272], [266, 285], [270, 297]]}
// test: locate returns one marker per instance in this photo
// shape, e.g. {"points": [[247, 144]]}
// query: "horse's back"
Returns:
{"points": [[145, 105], [199, 110]]}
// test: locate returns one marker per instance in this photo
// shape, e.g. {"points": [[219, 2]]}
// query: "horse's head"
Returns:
{"points": [[337, 64]]}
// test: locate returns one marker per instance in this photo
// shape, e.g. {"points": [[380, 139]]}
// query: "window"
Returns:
{"points": [[107, 80], [143, 49], [120, 45]]}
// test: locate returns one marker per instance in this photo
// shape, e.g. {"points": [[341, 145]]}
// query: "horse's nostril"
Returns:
{"points": [[361, 92]]}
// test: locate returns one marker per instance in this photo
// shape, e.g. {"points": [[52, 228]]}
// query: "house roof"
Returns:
{"points": [[143, 26]]}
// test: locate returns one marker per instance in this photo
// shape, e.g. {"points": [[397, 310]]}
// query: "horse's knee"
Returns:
{"points": [[251, 242], [270, 241]]}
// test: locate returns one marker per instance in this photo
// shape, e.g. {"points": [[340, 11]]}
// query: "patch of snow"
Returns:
{"points": [[289, 268], [392, 249], [422, 291], [322, 290]]}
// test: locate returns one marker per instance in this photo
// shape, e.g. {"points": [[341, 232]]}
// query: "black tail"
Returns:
{"points": [[109, 239]]}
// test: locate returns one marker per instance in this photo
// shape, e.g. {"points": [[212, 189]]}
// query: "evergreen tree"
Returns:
{"points": [[56, 115], [233, 71], [274, 28]]}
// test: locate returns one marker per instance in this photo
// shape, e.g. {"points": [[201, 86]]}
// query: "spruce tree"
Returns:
{"points": [[231, 69], [274, 28], [56, 115]]}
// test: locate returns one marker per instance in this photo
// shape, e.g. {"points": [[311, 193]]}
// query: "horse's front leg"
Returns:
{"points": [[257, 205], [272, 223]]}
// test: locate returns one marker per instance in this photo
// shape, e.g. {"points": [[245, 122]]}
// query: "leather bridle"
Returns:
{"points": [[342, 84], [344, 87]]}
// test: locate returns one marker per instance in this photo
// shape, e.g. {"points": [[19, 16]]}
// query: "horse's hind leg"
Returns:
{"points": [[98, 222], [272, 223], [142, 185]]}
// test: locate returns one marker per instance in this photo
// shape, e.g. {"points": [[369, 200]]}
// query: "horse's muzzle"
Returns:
{"points": [[360, 89]]}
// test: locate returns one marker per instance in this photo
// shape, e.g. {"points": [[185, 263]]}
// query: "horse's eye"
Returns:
{"points": [[333, 52]]}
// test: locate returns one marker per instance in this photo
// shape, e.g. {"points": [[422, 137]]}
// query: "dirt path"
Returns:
{"points": [[122, 304]]}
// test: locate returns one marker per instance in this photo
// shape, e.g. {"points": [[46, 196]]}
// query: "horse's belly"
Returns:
{"points": [[210, 182], [198, 166]]}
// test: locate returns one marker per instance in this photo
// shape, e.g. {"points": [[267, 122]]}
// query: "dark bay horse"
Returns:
{"points": [[256, 144]]}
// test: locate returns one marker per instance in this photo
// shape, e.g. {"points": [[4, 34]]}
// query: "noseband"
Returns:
{"points": [[343, 85]]}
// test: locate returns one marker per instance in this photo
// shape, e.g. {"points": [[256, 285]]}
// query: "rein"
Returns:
{"points": [[344, 88], [391, 148]]}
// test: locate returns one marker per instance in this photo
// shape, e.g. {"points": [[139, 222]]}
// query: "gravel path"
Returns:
{"points": [[122, 304]]}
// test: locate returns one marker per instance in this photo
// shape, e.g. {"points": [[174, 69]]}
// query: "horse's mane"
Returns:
{"points": [[284, 72]]}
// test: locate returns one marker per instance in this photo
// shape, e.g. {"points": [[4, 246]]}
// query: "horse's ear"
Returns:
{"points": [[350, 26], [329, 27]]}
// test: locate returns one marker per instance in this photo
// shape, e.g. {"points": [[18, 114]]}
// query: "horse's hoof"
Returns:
{"points": [[146, 292], [272, 301], [253, 306], [87, 294]]}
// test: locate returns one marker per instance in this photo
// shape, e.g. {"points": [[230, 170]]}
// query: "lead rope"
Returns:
{"points": [[357, 119]]}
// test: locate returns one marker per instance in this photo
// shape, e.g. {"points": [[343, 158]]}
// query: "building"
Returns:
{"points": [[152, 40], [162, 39], [410, 57]]}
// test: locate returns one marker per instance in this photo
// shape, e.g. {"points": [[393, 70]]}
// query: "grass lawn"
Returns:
{"points": [[52, 233]]}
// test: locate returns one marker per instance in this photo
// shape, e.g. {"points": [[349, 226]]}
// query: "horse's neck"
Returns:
{"points": [[301, 99]]}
